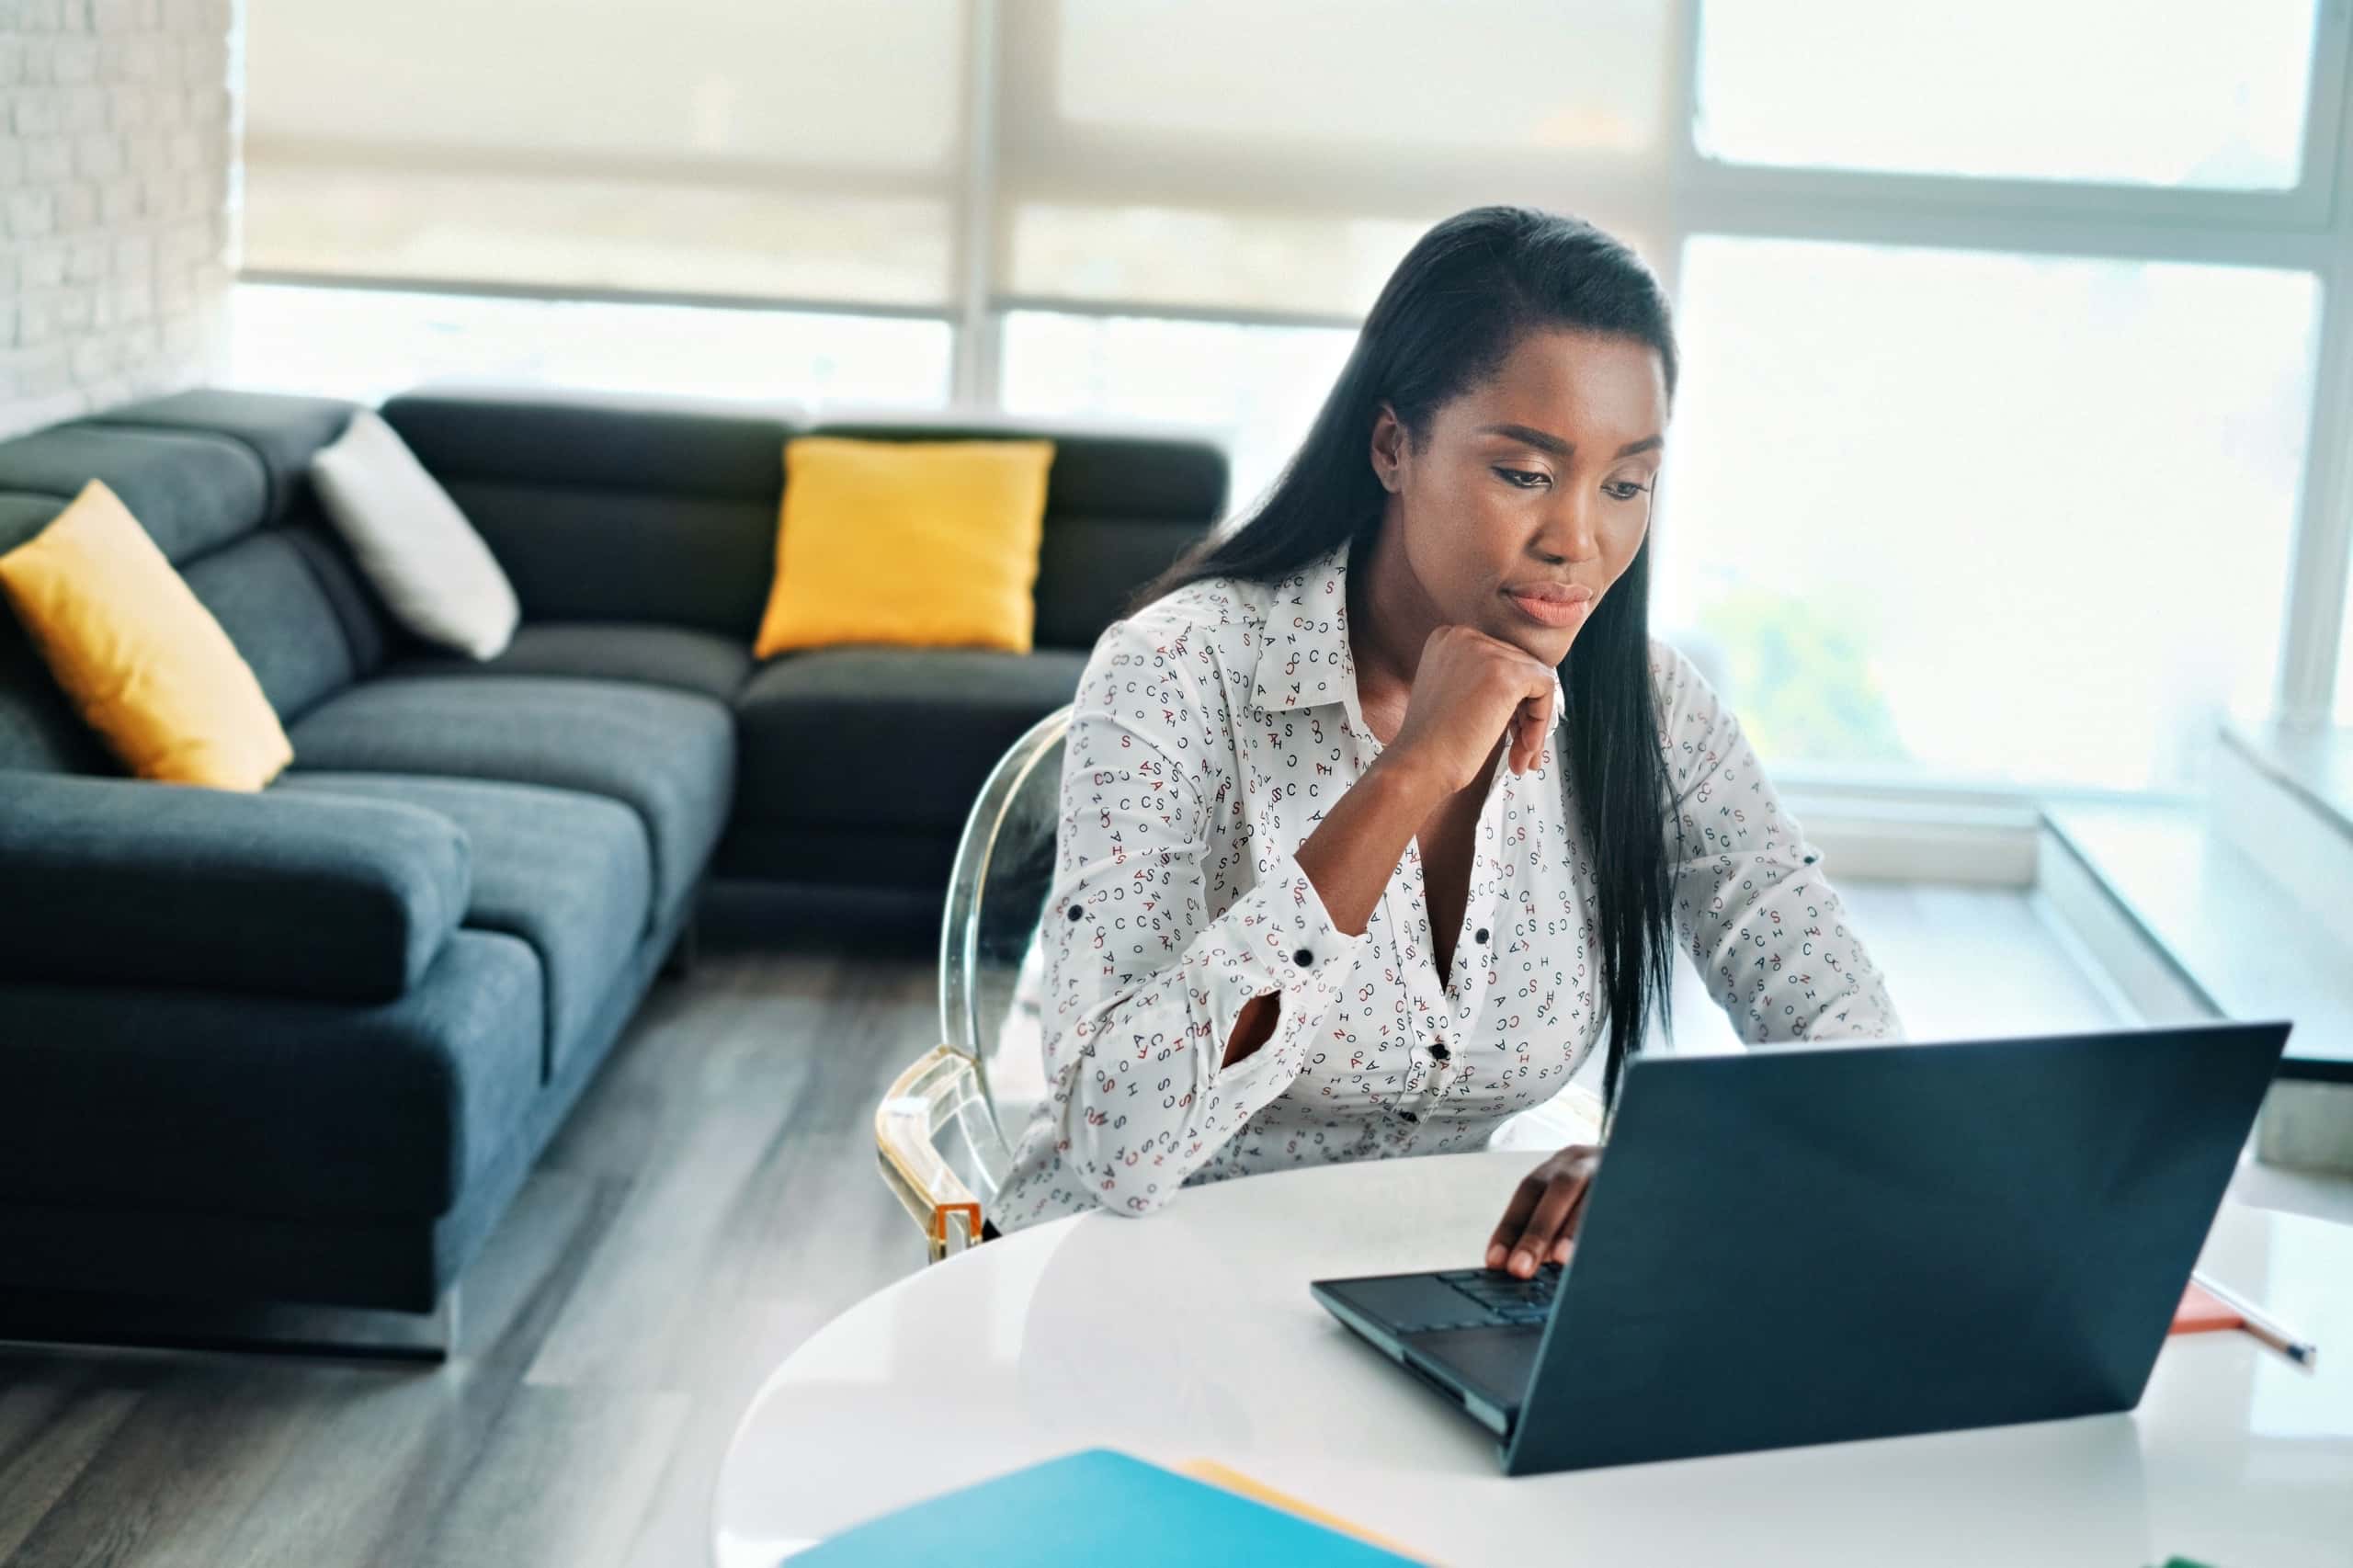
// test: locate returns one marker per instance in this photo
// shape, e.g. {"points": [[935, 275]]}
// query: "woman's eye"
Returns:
{"points": [[1627, 491], [1515, 475]]}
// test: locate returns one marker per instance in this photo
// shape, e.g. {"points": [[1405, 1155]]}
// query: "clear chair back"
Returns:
{"points": [[990, 959]]}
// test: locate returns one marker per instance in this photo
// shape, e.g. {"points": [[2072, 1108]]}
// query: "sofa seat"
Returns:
{"points": [[890, 737], [571, 874], [668, 756], [676, 657], [226, 1102]]}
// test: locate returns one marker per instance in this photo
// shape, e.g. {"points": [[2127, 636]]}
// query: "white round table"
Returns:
{"points": [[1190, 1334]]}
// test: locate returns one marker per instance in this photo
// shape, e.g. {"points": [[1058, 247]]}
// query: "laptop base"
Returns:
{"points": [[1484, 1370]]}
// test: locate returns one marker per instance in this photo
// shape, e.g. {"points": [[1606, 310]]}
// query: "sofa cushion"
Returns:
{"points": [[367, 627], [668, 756], [196, 1100], [609, 507], [115, 882], [569, 873], [873, 861], [280, 430], [672, 656], [599, 441], [191, 492], [829, 735], [266, 594], [627, 554]]}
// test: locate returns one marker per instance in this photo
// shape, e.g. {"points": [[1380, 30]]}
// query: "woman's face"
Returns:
{"points": [[1540, 477]]}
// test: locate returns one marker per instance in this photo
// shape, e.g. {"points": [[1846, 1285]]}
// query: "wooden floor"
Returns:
{"points": [[712, 1203]]}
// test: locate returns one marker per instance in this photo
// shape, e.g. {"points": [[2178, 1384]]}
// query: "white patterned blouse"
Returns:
{"points": [[1210, 732]]}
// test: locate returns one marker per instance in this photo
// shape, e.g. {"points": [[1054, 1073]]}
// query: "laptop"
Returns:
{"points": [[1821, 1244]]}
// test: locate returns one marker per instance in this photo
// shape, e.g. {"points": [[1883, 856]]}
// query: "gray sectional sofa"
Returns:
{"points": [[304, 1045]]}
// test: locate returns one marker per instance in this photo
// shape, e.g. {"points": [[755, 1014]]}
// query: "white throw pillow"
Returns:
{"points": [[436, 576]]}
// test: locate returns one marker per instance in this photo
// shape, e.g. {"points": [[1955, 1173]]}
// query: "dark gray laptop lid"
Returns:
{"points": [[1825, 1244]]}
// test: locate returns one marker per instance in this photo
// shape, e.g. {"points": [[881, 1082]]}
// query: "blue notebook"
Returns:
{"points": [[1096, 1507]]}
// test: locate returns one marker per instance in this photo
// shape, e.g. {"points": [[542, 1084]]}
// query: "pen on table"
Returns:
{"points": [[2301, 1351]]}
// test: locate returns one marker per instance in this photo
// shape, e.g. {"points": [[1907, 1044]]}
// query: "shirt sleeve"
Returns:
{"points": [[1772, 937], [1143, 981]]}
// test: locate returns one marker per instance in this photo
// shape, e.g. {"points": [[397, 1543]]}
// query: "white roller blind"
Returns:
{"points": [[1237, 155], [803, 149]]}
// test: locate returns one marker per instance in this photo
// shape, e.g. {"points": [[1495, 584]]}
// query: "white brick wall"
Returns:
{"points": [[114, 188]]}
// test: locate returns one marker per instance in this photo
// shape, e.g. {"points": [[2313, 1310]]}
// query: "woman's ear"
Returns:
{"points": [[1388, 447]]}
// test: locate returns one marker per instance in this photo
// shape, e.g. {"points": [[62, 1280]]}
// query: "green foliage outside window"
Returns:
{"points": [[1800, 681]]}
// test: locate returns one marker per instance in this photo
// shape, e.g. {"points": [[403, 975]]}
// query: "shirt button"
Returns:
{"points": [[1303, 958], [1076, 913], [1408, 1116], [1482, 933], [1438, 1051]]}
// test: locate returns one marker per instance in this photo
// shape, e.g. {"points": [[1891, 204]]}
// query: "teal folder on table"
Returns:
{"points": [[1099, 1507]]}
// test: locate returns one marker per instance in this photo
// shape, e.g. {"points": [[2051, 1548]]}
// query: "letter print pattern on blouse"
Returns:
{"points": [[1210, 734]]}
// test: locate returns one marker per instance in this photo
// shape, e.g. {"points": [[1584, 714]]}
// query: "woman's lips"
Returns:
{"points": [[1552, 604]]}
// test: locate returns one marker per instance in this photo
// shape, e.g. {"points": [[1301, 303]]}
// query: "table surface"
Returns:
{"points": [[1191, 1334]]}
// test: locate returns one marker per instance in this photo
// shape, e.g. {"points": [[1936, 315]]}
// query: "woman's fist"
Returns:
{"points": [[1469, 690]]}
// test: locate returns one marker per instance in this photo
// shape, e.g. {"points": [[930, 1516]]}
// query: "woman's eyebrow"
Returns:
{"points": [[1560, 449]]}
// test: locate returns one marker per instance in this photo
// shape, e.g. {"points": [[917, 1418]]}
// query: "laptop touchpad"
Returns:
{"points": [[1409, 1303], [1495, 1363]]}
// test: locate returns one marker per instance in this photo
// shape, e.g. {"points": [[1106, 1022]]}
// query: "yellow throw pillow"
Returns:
{"points": [[140, 656], [928, 544]]}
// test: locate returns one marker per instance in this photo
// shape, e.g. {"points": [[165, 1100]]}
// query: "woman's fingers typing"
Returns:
{"points": [[1515, 1220], [1540, 1224]]}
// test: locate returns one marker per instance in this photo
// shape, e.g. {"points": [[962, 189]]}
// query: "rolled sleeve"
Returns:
{"points": [[1283, 940]]}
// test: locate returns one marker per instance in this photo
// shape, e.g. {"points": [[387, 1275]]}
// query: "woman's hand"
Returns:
{"points": [[1541, 1221], [1469, 690]]}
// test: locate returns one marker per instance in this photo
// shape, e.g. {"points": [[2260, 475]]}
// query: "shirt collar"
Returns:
{"points": [[1303, 658]]}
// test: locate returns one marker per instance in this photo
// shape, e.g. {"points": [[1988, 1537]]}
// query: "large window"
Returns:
{"points": [[1981, 515], [2018, 356], [804, 150], [1254, 388], [1281, 155], [2195, 95]]}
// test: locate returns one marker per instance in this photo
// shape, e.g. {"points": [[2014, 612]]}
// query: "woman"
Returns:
{"points": [[1329, 884]]}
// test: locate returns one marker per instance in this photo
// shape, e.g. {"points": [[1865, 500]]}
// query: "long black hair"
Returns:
{"points": [[1449, 318]]}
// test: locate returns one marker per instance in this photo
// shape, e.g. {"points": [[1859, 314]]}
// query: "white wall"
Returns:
{"points": [[115, 149]]}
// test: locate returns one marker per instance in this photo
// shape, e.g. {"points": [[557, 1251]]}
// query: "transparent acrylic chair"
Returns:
{"points": [[945, 1131]]}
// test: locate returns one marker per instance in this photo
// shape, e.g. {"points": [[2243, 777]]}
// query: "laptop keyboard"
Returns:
{"points": [[1493, 1299]]}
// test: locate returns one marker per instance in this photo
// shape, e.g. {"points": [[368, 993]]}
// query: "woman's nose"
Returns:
{"points": [[1571, 535]]}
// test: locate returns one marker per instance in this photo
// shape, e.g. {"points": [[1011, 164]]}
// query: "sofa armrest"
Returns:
{"points": [[121, 881]]}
